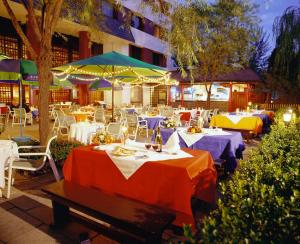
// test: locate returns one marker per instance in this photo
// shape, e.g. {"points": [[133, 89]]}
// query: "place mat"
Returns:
{"points": [[128, 165]]}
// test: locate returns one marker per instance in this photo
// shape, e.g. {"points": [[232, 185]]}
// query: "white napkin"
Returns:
{"points": [[172, 145]]}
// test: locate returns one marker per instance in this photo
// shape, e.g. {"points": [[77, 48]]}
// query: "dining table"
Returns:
{"points": [[4, 110], [162, 179], [224, 145], [8, 150], [265, 118], [82, 131], [238, 122]]}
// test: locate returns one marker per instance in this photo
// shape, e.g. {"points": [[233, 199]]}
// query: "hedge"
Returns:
{"points": [[261, 202]]}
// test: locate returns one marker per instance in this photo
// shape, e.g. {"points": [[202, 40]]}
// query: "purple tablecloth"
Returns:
{"points": [[35, 113], [226, 147], [130, 110], [153, 122]]}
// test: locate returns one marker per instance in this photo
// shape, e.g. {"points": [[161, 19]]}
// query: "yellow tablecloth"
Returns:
{"points": [[252, 123]]}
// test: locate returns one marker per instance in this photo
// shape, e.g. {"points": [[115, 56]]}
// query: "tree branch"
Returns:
{"points": [[33, 20], [19, 30]]}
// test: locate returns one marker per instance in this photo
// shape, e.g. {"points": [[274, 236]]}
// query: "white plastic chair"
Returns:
{"points": [[20, 113], [133, 121], [31, 164], [115, 129]]}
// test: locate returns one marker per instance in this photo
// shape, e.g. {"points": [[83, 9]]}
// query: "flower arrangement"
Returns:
{"points": [[102, 137], [170, 123]]}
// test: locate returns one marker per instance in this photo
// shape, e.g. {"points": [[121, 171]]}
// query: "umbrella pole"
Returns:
{"points": [[113, 101], [20, 106]]}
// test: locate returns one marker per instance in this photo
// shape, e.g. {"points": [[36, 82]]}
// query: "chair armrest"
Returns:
{"points": [[35, 154], [30, 147]]}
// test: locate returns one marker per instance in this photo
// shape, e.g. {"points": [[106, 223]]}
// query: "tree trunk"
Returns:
{"points": [[44, 62], [208, 90]]}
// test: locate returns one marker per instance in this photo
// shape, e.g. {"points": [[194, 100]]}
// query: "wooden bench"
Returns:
{"points": [[144, 222]]}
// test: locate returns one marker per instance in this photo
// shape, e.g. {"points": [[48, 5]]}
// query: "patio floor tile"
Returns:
{"points": [[24, 216], [25, 203], [43, 214]]}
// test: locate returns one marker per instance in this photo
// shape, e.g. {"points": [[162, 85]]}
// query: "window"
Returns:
{"points": [[9, 46], [60, 56], [137, 22], [135, 52], [5, 93], [97, 49], [60, 96], [157, 59]]}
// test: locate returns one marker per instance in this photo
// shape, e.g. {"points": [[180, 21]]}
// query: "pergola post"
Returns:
{"points": [[169, 100], [182, 95], [230, 97], [248, 94]]}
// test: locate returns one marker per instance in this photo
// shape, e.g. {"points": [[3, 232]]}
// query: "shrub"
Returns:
{"points": [[261, 202], [60, 150]]}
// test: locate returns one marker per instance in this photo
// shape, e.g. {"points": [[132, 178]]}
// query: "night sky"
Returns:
{"points": [[269, 10]]}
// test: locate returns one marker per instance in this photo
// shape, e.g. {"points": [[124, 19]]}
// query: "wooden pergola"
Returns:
{"points": [[246, 77]]}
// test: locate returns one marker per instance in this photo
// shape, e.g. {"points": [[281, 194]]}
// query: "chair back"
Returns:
{"points": [[115, 129], [18, 112], [99, 116], [131, 120]]}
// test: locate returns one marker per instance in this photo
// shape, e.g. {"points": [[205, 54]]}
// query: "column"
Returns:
{"points": [[230, 98], [182, 95], [84, 52]]}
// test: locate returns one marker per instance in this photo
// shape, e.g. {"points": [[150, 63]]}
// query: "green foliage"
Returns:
{"points": [[261, 203], [60, 150], [216, 37]]}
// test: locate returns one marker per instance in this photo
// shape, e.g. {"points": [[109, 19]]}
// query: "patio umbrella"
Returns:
{"points": [[111, 66], [16, 71]]}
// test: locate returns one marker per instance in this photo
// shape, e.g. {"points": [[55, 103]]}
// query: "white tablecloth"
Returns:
{"points": [[191, 139], [7, 149], [82, 131], [128, 165]]}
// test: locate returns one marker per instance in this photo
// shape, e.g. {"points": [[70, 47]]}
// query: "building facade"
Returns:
{"points": [[73, 41]]}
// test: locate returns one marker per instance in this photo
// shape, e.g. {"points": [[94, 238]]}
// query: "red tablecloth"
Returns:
{"points": [[185, 116], [3, 110], [169, 183]]}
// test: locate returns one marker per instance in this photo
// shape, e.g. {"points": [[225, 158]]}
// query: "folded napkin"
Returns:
{"points": [[172, 145]]}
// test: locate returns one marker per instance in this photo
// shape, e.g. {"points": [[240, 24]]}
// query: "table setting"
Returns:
{"points": [[138, 171]]}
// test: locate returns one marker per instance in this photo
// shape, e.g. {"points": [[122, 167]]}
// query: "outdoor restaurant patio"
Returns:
{"points": [[179, 128]]}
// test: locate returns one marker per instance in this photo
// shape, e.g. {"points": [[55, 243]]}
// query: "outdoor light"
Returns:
{"points": [[249, 104], [287, 117], [290, 110]]}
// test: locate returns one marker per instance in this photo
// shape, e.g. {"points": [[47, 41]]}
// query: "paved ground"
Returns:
{"points": [[26, 216]]}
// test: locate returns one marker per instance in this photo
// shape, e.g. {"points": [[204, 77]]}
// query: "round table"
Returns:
{"points": [[82, 131]]}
